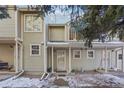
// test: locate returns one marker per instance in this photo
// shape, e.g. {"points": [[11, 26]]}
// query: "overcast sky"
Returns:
{"points": [[58, 17]]}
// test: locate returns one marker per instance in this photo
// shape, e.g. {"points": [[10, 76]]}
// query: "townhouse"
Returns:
{"points": [[27, 43]]}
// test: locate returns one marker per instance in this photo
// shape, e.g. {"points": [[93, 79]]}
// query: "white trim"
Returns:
{"points": [[39, 50], [16, 57], [93, 54], [68, 32], [16, 25], [22, 57], [69, 60], [52, 60], [45, 50], [64, 68], [106, 62], [32, 24], [122, 58], [65, 32], [109, 60], [74, 53]]}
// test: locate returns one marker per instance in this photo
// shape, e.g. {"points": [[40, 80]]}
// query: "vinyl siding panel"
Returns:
{"points": [[7, 53], [83, 63], [32, 63], [7, 26], [56, 33]]}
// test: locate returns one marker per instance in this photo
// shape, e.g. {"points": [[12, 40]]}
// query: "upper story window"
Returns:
{"points": [[72, 34], [32, 23]]}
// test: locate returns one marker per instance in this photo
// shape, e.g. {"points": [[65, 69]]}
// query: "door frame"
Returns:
{"points": [[64, 58]]}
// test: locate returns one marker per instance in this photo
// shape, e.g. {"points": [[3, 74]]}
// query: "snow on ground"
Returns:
{"points": [[96, 80], [26, 83], [79, 80]]}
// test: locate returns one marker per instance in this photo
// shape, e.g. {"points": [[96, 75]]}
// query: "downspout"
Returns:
{"points": [[17, 42], [22, 70], [45, 50]]}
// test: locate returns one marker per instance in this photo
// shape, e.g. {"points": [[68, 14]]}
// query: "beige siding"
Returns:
{"points": [[56, 33], [32, 63], [19, 34], [7, 53], [7, 26], [83, 63]]}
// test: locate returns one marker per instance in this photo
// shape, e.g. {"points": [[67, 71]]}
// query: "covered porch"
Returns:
{"points": [[63, 51], [10, 56]]}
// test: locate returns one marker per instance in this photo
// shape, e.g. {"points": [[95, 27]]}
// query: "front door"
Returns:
{"points": [[61, 60]]}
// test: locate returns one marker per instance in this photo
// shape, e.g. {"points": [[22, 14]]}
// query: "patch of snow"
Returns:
{"points": [[108, 78], [24, 82], [78, 80]]}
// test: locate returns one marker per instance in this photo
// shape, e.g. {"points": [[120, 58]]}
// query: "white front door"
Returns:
{"points": [[61, 60]]}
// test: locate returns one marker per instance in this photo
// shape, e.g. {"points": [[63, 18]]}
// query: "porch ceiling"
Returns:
{"points": [[81, 44]]}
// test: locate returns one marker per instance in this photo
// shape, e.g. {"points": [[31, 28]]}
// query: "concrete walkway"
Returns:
{"points": [[117, 73], [5, 76]]}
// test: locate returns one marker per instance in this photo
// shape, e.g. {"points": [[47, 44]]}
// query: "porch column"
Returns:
{"points": [[21, 57], [45, 49], [69, 60], [106, 63], [52, 61], [122, 58], [16, 57], [45, 59], [116, 63]]}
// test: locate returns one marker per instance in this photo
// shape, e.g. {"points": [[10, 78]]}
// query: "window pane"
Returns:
{"points": [[90, 54], [35, 52], [36, 23], [120, 56], [35, 47], [28, 23], [76, 54]]}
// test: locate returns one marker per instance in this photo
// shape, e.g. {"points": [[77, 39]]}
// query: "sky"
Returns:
{"points": [[57, 18]]}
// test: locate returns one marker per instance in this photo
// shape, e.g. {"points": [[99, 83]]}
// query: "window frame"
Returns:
{"points": [[88, 54], [74, 51], [32, 24], [119, 56], [74, 36], [31, 50]]}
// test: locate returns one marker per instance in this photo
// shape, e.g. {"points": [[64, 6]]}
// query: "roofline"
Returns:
{"points": [[81, 44]]}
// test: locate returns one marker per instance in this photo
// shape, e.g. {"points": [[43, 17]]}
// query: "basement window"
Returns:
{"points": [[90, 54], [35, 50], [76, 54]]}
